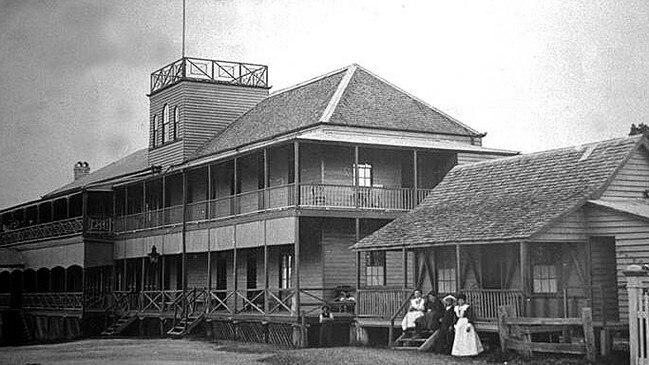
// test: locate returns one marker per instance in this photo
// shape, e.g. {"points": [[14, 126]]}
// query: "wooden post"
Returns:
{"points": [[84, 210], [405, 267], [635, 276], [503, 331], [297, 264], [357, 261], [209, 273], [296, 174], [356, 170], [266, 193], [458, 267], [208, 212], [143, 268], [415, 183], [162, 272], [184, 241], [235, 269], [589, 333], [234, 207], [524, 273], [266, 296]]}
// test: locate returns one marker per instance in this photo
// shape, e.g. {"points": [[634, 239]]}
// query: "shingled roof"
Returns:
{"points": [[131, 163], [351, 96], [507, 199]]}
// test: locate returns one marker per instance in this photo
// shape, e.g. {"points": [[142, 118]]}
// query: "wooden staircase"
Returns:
{"points": [[185, 325], [120, 325], [413, 342]]}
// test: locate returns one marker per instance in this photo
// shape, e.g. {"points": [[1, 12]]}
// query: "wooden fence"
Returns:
{"points": [[516, 333], [638, 289]]}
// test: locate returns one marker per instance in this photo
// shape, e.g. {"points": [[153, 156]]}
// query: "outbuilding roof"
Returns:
{"points": [[351, 96], [507, 199]]}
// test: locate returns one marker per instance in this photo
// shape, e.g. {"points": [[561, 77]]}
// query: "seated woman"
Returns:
{"points": [[415, 311], [466, 341], [433, 313]]}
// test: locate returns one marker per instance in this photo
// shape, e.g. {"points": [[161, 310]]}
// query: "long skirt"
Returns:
{"points": [[466, 341], [409, 319]]}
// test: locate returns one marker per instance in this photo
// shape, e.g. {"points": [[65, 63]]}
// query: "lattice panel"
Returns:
{"points": [[223, 330], [280, 334], [251, 332]]}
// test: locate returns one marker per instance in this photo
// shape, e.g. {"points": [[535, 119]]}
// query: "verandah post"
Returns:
{"points": [[405, 267], [525, 285], [589, 333], [296, 249], [458, 276]]}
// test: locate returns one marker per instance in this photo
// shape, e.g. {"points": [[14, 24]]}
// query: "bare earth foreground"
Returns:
{"points": [[167, 351]]}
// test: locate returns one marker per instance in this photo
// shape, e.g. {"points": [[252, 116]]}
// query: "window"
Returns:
{"points": [[375, 268], [364, 174], [446, 281], [157, 132], [174, 132], [166, 124], [286, 271], [545, 279], [544, 268]]}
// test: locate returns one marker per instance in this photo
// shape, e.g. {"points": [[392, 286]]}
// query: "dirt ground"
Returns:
{"points": [[167, 351]]}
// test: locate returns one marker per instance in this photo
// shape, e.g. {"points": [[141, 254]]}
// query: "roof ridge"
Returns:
{"points": [[413, 97], [578, 147], [310, 81], [335, 98]]}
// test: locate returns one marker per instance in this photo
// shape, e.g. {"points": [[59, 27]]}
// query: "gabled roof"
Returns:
{"points": [[507, 199], [351, 96], [136, 161], [636, 207]]}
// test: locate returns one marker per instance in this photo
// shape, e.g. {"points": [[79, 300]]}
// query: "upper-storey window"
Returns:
{"points": [[364, 171], [176, 120], [166, 124], [157, 132]]}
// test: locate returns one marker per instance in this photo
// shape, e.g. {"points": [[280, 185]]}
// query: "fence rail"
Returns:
{"points": [[235, 73]]}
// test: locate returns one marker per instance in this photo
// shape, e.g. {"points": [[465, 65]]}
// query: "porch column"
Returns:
{"points": [[296, 173], [405, 267], [355, 173], [84, 209], [162, 272], [184, 238], [236, 271], [143, 274], [297, 264], [357, 255], [67, 208], [415, 183], [235, 180], [266, 193], [124, 277], [208, 212], [525, 273], [458, 276], [266, 304], [164, 200]]}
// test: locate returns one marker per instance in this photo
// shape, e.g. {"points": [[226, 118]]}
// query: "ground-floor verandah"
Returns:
{"points": [[537, 279]]}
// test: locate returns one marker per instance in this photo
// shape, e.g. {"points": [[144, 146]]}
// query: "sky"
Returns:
{"points": [[533, 75]]}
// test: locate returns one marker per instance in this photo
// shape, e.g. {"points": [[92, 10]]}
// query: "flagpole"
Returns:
{"points": [[183, 28]]}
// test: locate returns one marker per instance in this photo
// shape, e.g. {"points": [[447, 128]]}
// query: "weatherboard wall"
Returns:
{"points": [[632, 180]]}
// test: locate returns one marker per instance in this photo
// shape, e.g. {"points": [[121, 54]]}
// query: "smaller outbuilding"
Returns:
{"points": [[547, 232]]}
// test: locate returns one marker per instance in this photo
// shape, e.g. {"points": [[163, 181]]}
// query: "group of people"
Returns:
{"points": [[451, 317]]}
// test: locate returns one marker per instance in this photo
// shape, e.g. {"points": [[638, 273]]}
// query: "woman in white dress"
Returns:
{"points": [[416, 310], [466, 341]]}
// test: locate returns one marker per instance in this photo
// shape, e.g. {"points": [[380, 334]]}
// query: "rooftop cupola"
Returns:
{"points": [[193, 99]]}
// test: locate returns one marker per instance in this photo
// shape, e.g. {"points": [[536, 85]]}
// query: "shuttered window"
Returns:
{"points": [[364, 171], [375, 268], [157, 132]]}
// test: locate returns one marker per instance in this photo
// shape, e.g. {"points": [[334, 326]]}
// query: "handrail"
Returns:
{"points": [[43, 230], [396, 313]]}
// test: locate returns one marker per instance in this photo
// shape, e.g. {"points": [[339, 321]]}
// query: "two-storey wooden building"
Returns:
{"points": [[239, 215]]}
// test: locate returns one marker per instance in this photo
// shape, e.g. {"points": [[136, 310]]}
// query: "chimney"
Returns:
{"points": [[81, 169]]}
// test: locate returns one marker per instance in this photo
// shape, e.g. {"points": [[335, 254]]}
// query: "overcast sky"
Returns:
{"points": [[533, 75]]}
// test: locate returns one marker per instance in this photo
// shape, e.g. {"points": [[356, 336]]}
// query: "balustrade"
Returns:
{"points": [[485, 302], [380, 303], [66, 301], [44, 230]]}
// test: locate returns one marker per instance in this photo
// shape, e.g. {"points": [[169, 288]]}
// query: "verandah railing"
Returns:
{"points": [[44, 230], [346, 196], [67, 301], [380, 302], [276, 197], [485, 302]]}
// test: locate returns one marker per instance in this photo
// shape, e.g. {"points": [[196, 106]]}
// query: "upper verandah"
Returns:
{"points": [[206, 70]]}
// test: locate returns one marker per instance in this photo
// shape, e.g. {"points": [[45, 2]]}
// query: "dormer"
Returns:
{"points": [[193, 99]]}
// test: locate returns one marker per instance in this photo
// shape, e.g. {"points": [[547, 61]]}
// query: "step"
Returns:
{"points": [[405, 348]]}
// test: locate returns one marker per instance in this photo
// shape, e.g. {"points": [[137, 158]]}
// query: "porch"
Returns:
{"points": [[535, 279]]}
